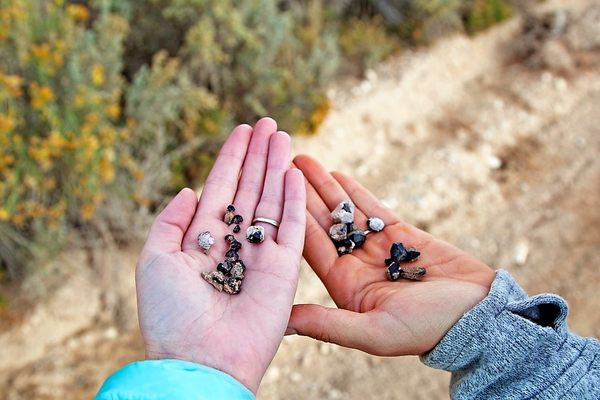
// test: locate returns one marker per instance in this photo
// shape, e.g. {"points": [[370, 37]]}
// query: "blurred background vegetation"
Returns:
{"points": [[107, 106]]}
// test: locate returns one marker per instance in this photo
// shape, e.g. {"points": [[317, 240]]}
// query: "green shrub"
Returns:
{"points": [[481, 14], [256, 58], [366, 41]]}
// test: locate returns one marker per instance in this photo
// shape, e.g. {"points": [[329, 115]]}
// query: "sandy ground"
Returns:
{"points": [[464, 139]]}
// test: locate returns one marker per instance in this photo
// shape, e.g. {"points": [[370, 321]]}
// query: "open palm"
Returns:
{"points": [[374, 314], [184, 317]]}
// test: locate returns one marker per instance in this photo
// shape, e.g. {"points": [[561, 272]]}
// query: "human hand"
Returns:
{"points": [[375, 315], [181, 315]]}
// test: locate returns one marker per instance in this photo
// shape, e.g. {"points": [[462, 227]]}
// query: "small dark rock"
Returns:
{"points": [[229, 238], [393, 271], [235, 245], [224, 267], [237, 219], [358, 237], [412, 254], [388, 261], [232, 255], [231, 208], [344, 247], [398, 251], [236, 229], [348, 207], [352, 227]]}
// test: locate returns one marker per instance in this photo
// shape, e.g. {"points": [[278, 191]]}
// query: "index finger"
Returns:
{"points": [[221, 184]]}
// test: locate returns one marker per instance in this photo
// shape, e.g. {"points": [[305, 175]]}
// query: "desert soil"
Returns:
{"points": [[491, 142]]}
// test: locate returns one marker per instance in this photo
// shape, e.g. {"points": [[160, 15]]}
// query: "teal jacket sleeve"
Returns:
{"points": [[512, 346], [171, 379]]}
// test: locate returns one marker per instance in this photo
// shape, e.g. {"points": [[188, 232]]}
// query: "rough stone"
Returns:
{"points": [[205, 241], [338, 232], [344, 247], [215, 278], [232, 285], [237, 270], [398, 251], [412, 254], [255, 234], [375, 224], [413, 273], [343, 213], [393, 271], [358, 238]]}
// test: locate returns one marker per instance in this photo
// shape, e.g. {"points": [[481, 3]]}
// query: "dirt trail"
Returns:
{"points": [[461, 139]]}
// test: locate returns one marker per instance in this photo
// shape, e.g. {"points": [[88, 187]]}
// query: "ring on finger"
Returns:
{"points": [[266, 221]]}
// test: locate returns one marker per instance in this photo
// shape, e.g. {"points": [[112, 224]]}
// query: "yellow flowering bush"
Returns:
{"points": [[79, 145], [60, 93]]}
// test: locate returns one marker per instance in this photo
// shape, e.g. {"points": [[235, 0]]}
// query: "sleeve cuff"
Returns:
{"points": [[513, 344], [171, 379]]}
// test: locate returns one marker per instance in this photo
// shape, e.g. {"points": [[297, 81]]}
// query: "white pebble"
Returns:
{"points": [[375, 224], [205, 240]]}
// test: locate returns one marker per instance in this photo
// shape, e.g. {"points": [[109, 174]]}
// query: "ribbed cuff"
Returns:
{"points": [[516, 346], [171, 379]]}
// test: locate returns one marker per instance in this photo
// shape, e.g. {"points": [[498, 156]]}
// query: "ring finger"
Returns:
{"points": [[253, 171], [270, 205]]}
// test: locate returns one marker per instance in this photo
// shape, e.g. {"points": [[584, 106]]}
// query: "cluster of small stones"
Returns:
{"points": [[399, 254], [345, 233], [229, 274], [231, 217]]}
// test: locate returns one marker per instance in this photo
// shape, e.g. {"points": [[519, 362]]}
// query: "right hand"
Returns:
{"points": [[375, 315]]}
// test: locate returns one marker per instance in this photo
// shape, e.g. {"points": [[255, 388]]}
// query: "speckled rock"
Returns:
{"points": [[343, 213], [338, 232], [205, 241], [255, 234], [375, 224]]}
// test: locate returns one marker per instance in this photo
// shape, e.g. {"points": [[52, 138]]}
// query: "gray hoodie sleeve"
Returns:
{"points": [[511, 346]]}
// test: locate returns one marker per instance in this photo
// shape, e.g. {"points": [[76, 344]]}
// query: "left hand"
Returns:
{"points": [[375, 315], [184, 317]]}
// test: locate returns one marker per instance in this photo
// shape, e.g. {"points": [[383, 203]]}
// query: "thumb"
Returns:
{"points": [[171, 224], [342, 327]]}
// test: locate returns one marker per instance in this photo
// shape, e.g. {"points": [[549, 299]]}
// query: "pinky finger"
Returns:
{"points": [[293, 221]]}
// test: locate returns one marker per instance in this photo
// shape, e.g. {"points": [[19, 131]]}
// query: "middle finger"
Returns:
{"points": [[252, 180]]}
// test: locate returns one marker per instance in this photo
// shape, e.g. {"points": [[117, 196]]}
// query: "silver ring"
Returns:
{"points": [[266, 221]]}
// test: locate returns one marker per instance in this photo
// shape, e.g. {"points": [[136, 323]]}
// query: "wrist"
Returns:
{"points": [[247, 374]]}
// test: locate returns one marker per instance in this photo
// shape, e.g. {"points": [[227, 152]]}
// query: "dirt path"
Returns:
{"points": [[461, 139]]}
